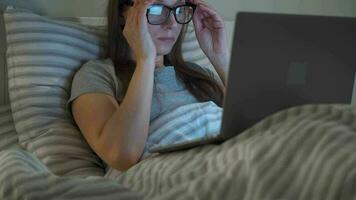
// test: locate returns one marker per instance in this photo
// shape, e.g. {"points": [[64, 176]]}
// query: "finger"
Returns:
{"points": [[197, 21], [140, 11], [211, 17], [210, 12], [203, 12], [143, 6], [201, 2], [208, 20], [211, 24], [208, 8], [129, 19], [131, 13]]}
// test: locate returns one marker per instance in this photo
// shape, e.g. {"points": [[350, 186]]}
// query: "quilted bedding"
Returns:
{"points": [[305, 152]]}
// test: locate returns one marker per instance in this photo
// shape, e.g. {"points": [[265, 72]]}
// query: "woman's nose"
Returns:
{"points": [[171, 22]]}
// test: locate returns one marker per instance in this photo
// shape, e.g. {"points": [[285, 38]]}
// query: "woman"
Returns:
{"points": [[115, 99]]}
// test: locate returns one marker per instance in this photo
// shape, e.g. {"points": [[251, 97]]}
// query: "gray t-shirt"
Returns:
{"points": [[98, 76]]}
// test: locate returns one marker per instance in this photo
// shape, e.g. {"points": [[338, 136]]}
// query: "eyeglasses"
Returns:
{"points": [[158, 13]]}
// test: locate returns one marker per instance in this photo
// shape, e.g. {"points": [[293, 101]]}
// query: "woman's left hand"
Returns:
{"points": [[210, 33]]}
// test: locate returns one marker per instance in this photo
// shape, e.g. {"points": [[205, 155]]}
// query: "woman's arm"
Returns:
{"points": [[212, 38], [118, 133], [130, 122]]}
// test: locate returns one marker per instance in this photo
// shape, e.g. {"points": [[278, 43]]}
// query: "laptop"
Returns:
{"points": [[280, 61]]}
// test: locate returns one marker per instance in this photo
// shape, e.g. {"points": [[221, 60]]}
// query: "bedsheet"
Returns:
{"points": [[305, 152]]}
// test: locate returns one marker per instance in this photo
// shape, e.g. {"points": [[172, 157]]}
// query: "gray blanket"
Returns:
{"points": [[305, 152]]}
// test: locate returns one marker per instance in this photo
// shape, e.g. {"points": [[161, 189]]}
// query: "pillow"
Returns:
{"points": [[8, 135], [42, 56], [192, 51]]}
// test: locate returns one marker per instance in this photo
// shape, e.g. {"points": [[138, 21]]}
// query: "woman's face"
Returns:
{"points": [[165, 35]]}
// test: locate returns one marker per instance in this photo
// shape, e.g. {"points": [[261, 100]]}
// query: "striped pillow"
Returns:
{"points": [[42, 56], [8, 135], [192, 51]]}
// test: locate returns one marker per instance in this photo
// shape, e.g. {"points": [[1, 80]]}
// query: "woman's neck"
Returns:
{"points": [[159, 62]]}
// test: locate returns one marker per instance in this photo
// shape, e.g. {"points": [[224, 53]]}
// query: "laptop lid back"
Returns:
{"points": [[281, 60]]}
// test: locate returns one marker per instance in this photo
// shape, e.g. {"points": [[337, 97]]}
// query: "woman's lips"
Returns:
{"points": [[166, 39]]}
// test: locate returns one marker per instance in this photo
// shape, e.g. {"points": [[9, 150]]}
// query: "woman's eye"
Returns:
{"points": [[156, 10], [179, 10]]}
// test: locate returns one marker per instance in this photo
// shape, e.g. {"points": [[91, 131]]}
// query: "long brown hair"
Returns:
{"points": [[198, 80]]}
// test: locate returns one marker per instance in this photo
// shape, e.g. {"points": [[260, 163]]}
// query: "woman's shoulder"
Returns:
{"points": [[98, 70], [98, 65]]}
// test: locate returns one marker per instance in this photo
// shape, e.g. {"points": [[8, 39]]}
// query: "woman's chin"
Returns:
{"points": [[163, 51]]}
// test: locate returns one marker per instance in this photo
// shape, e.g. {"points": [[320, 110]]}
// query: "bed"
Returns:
{"points": [[303, 152]]}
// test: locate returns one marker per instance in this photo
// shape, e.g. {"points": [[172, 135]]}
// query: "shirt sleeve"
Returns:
{"points": [[94, 77]]}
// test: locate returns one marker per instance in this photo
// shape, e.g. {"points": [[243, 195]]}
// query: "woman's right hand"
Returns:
{"points": [[136, 31]]}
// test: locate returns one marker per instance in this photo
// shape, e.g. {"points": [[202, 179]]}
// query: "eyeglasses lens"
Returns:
{"points": [[158, 14]]}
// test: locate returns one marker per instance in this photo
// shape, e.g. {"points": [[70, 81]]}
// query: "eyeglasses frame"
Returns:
{"points": [[131, 3]]}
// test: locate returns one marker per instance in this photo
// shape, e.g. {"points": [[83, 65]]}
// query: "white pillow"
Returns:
{"points": [[43, 55]]}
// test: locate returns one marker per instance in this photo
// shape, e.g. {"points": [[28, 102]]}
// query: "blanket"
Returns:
{"points": [[304, 152], [187, 122]]}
